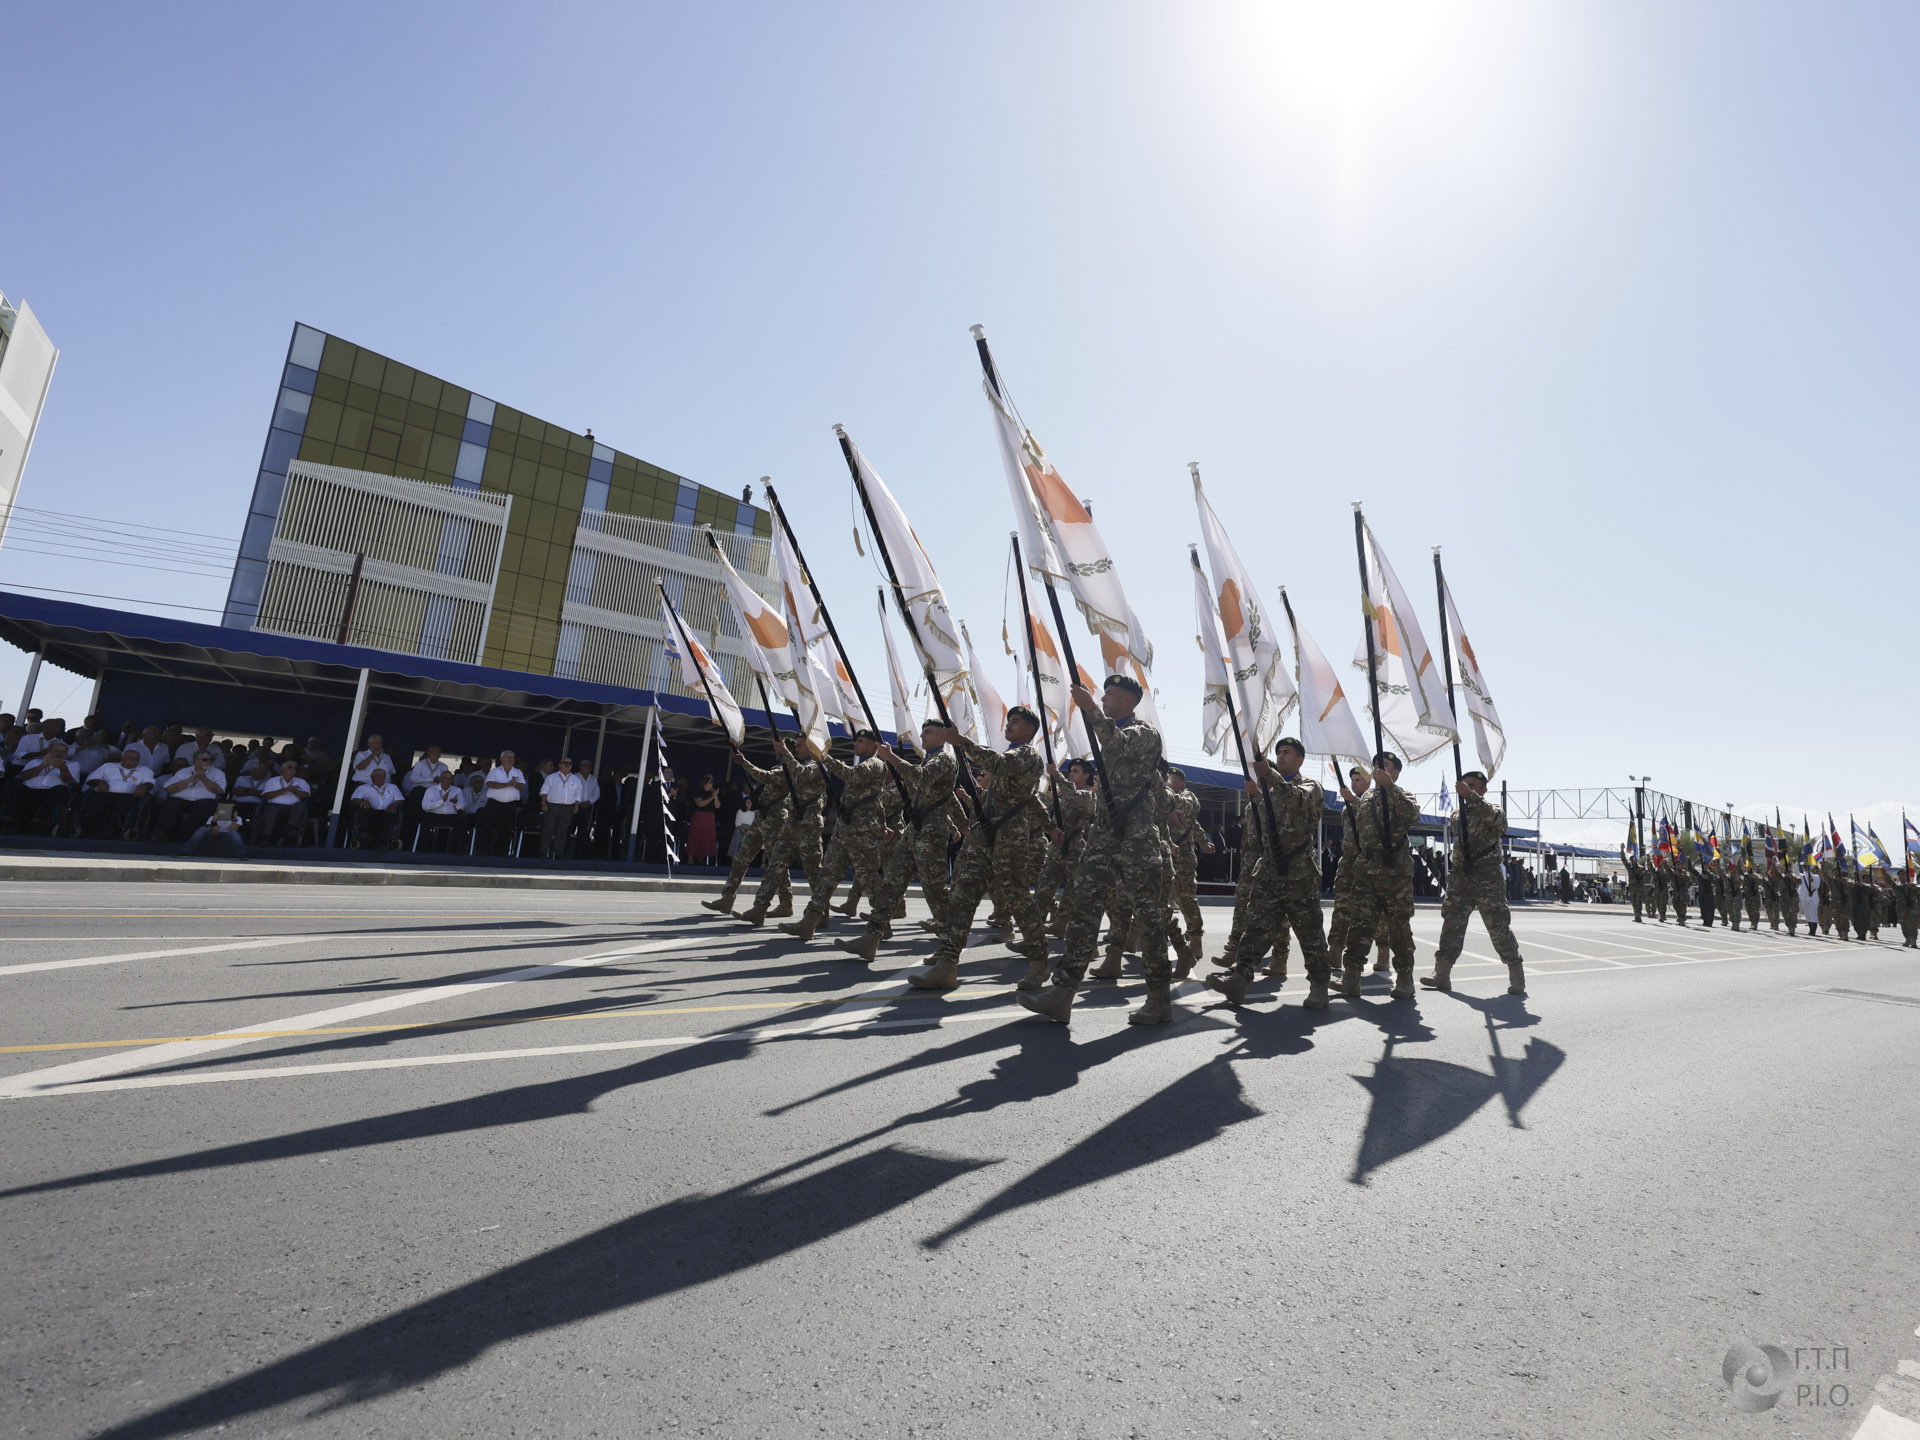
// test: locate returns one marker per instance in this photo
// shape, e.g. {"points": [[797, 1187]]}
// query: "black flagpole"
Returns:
{"points": [[680, 626], [1446, 664], [780, 514], [1053, 601], [1033, 666], [1373, 660]]}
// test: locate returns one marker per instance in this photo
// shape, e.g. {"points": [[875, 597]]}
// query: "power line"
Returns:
{"points": [[124, 599], [201, 574], [103, 520]]}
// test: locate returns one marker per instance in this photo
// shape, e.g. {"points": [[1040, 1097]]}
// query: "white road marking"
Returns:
{"points": [[259, 944], [39, 1082]]}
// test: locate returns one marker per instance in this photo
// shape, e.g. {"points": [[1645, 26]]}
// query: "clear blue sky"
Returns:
{"points": [[1616, 301]]}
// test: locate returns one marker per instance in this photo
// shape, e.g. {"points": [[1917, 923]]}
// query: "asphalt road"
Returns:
{"points": [[315, 1162]]}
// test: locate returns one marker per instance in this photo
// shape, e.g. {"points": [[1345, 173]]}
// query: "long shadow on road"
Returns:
{"points": [[671, 1247]]}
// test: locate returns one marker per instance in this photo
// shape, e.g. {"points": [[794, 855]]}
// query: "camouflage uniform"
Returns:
{"points": [[769, 821], [1076, 819], [1002, 849], [1383, 883], [921, 846], [1286, 893], [800, 840], [1343, 896], [1636, 884], [1476, 881], [1790, 899], [1866, 908], [1709, 896], [1123, 848], [1770, 888], [1679, 877], [856, 831], [1906, 904], [1835, 902], [1253, 864], [1183, 832], [1660, 891], [1730, 896]]}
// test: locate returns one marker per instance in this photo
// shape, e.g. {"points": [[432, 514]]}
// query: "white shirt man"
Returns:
{"points": [[589, 788], [443, 797], [374, 757], [153, 754], [31, 744], [377, 793], [125, 776], [195, 781], [90, 754], [284, 788], [50, 769], [425, 771], [506, 782], [562, 788]]}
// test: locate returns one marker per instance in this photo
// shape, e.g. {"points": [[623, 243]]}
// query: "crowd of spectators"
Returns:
{"points": [[166, 784]]}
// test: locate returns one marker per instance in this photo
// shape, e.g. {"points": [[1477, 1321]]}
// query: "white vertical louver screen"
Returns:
{"points": [[431, 560], [610, 624]]}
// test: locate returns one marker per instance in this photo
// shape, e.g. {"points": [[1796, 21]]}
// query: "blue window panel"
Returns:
{"points": [[466, 487], [743, 519], [456, 534], [596, 495], [566, 660], [474, 433], [480, 408], [308, 343], [684, 503], [256, 537], [282, 446], [603, 452], [436, 629], [600, 470], [472, 461], [580, 576], [298, 377], [266, 494], [291, 413]]}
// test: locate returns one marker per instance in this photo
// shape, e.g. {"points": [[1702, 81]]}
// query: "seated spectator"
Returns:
{"points": [[38, 799], [428, 768], [188, 797], [378, 806], [284, 798], [39, 734], [113, 791], [220, 835], [375, 755], [559, 805], [506, 792], [443, 810], [89, 752], [153, 754], [252, 774]]}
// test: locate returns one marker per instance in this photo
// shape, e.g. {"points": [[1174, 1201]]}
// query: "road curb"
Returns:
{"points": [[216, 873]]}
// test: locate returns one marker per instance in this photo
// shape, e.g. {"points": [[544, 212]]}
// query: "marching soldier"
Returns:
{"points": [[1661, 880], [1287, 894], [1770, 891], [1002, 849], [1679, 879], [1750, 885], [761, 837], [1906, 901], [1708, 896], [920, 846], [1123, 844], [1475, 882], [1189, 840], [857, 831], [1078, 800], [1836, 902], [1383, 878], [1636, 882], [1729, 896], [799, 840]]}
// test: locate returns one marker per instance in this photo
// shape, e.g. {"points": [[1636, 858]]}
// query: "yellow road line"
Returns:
{"points": [[482, 1023]]}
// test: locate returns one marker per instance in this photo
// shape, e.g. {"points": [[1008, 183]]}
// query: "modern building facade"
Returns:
{"points": [[27, 358], [424, 519]]}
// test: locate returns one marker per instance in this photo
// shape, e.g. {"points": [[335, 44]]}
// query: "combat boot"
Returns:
{"points": [[1350, 982], [1276, 970], [866, 948], [1109, 967], [1441, 979], [1230, 983], [1517, 978], [899, 909], [785, 907], [937, 974], [1036, 976], [753, 915], [803, 928], [1180, 950], [931, 925], [1403, 984], [723, 902], [1155, 1009], [1184, 970], [853, 904], [1054, 1003], [1316, 994]]}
